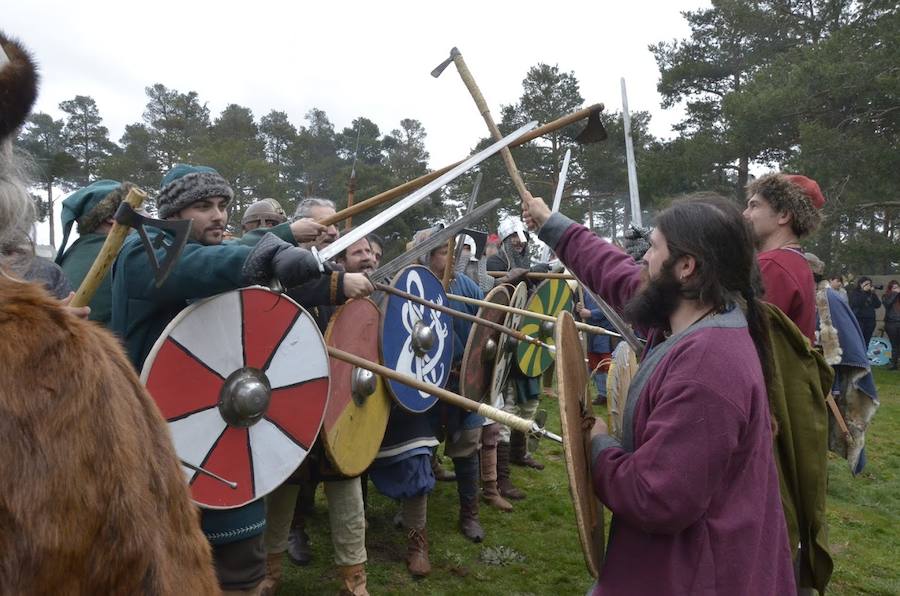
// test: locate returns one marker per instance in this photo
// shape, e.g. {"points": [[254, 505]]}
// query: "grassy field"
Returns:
{"points": [[535, 549]]}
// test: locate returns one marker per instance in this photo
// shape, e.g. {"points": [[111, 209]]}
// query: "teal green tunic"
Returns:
{"points": [[76, 263]]}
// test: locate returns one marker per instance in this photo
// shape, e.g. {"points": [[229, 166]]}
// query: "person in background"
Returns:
{"points": [[92, 208], [864, 303], [599, 346], [265, 213], [837, 284], [376, 243], [891, 302]]}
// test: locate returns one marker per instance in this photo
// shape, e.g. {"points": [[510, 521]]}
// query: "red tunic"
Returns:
{"points": [[790, 286]]}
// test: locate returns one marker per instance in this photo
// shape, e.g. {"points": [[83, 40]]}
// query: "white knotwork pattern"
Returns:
{"points": [[428, 369]]}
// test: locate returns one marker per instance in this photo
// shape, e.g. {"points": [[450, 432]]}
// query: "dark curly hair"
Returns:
{"points": [[787, 197]]}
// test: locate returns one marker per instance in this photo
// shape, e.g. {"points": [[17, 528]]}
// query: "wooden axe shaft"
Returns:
{"points": [[480, 102], [408, 187], [108, 254]]}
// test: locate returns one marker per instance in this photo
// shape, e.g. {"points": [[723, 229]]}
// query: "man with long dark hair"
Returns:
{"points": [[692, 483]]}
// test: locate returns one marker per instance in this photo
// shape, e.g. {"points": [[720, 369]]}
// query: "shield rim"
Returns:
{"points": [[381, 392], [573, 401], [388, 297], [541, 352], [512, 323], [470, 342], [166, 332]]}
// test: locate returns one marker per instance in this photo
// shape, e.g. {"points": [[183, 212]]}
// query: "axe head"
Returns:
{"points": [[180, 229], [443, 65], [593, 132]]}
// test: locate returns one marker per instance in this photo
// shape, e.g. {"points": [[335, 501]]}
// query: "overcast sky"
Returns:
{"points": [[348, 58]]}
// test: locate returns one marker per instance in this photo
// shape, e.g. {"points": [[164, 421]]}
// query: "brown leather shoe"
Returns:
{"points": [[417, 553], [504, 484], [490, 494], [440, 474], [469, 524], [353, 580]]}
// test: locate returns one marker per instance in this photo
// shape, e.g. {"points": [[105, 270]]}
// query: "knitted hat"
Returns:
{"points": [[810, 189], [18, 85], [185, 184], [91, 206]]}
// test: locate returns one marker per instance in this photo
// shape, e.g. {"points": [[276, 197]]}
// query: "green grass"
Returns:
{"points": [[863, 517]]}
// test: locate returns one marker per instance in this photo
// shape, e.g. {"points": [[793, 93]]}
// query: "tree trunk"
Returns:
{"points": [[50, 214], [743, 175]]}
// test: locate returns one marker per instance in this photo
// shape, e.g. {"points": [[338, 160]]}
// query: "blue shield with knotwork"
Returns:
{"points": [[417, 340]]}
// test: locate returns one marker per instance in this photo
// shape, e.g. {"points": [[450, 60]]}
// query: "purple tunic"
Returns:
{"points": [[693, 486]]}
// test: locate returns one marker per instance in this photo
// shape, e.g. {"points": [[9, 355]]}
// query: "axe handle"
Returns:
{"points": [[465, 403], [836, 412], [469, 81], [108, 254], [408, 187]]}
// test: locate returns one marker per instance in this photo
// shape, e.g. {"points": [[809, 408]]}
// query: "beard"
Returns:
{"points": [[655, 302]]}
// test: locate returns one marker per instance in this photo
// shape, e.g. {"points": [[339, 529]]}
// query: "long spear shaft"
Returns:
{"points": [[526, 426], [535, 315], [465, 316]]}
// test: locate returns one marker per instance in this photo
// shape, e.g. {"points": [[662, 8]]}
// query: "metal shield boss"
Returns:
{"points": [[574, 411], [477, 368], [551, 297], [416, 340], [358, 407], [242, 378]]}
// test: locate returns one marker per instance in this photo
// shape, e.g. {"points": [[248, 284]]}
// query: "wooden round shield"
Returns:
{"points": [[506, 346], [478, 360], [242, 379], [574, 409], [358, 407], [551, 297], [416, 340]]}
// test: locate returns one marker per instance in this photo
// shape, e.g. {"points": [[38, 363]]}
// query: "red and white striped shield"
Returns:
{"points": [[242, 379]]}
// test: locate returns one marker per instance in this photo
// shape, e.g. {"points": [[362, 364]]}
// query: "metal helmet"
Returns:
{"points": [[511, 225], [470, 242], [262, 210]]}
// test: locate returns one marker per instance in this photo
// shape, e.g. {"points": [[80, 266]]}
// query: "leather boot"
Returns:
{"points": [[504, 484], [353, 580], [489, 492], [469, 524], [417, 553], [440, 473], [518, 451], [299, 550], [273, 574]]}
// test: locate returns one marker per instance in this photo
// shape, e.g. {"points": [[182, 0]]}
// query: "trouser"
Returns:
{"points": [[892, 329], [867, 326], [240, 565], [347, 518], [467, 472], [525, 409], [463, 443], [490, 436], [345, 514]]}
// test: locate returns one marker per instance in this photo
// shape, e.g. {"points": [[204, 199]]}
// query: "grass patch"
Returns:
{"points": [[534, 550]]}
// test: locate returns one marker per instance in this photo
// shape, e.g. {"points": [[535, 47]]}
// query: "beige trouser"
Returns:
{"points": [[525, 410], [345, 514]]}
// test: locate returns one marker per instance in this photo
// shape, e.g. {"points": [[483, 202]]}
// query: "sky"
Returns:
{"points": [[347, 58]]}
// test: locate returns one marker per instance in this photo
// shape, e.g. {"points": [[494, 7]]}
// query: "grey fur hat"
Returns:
{"points": [[186, 184]]}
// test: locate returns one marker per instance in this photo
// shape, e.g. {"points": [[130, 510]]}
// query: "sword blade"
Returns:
{"points": [[557, 196], [341, 244], [457, 255], [439, 238]]}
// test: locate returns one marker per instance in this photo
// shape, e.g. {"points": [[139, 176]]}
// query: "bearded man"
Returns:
{"points": [[692, 485]]}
